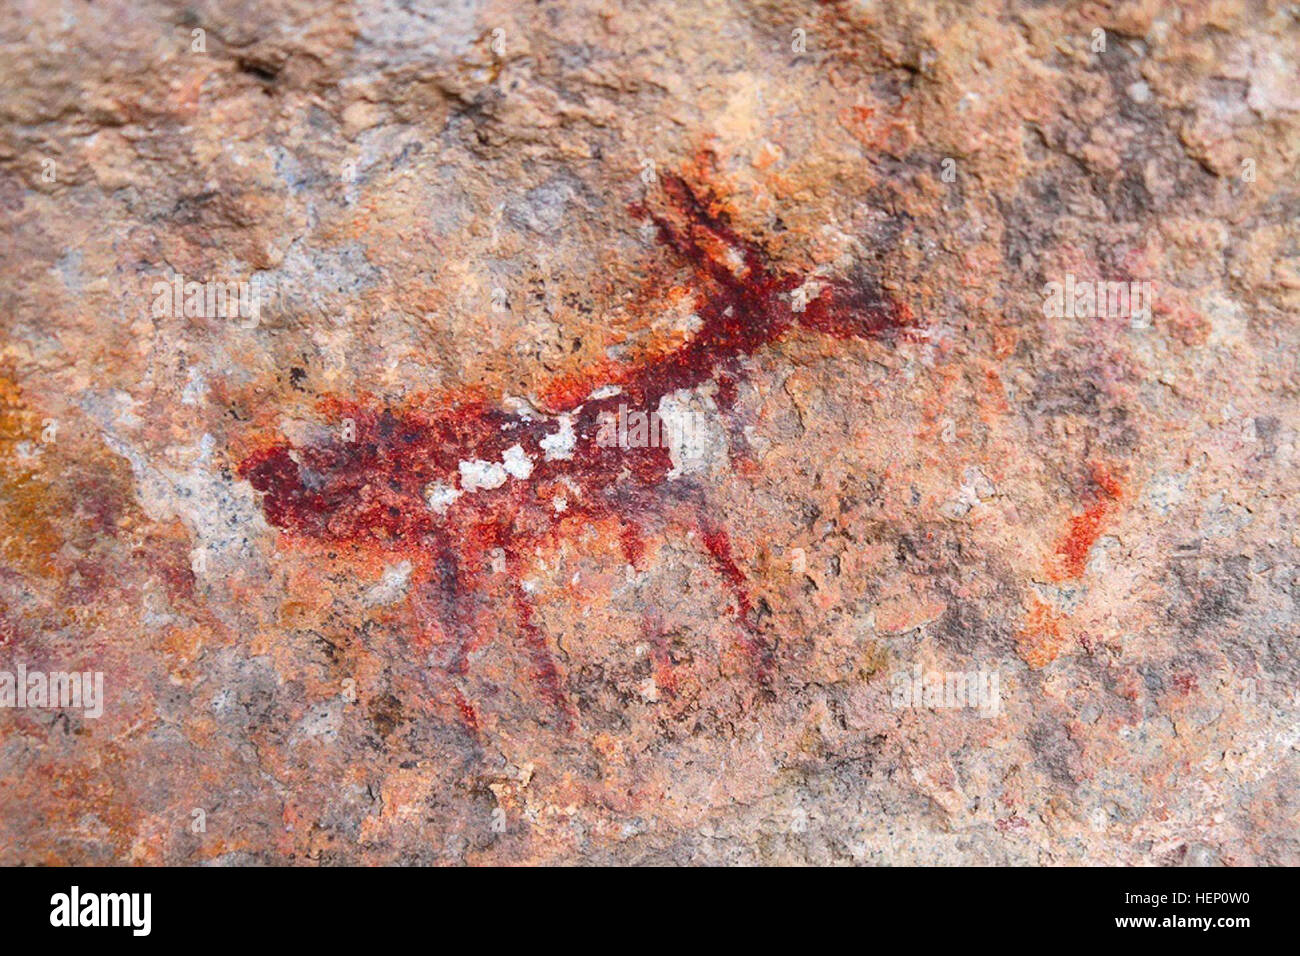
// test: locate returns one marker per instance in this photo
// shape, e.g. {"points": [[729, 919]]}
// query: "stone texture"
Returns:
{"points": [[362, 587]]}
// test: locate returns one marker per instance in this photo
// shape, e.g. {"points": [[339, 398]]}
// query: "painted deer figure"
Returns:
{"points": [[465, 486]]}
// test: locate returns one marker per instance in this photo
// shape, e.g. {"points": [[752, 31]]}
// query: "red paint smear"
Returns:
{"points": [[545, 670], [1086, 528], [719, 545], [633, 544], [370, 493], [1083, 534], [466, 710], [1106, 482]]}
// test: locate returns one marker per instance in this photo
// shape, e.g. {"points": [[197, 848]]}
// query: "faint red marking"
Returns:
{"points": [[1084, 529], [1186, 683], [1041, 639]]}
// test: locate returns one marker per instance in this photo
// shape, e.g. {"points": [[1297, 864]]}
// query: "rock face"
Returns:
{"points": [[497, 433]]}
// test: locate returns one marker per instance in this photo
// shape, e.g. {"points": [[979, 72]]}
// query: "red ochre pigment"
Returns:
{"points": [[370, 492], [1085, 529]]}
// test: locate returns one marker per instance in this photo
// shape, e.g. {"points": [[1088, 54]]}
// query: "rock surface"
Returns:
{"points": [[629, 410]]}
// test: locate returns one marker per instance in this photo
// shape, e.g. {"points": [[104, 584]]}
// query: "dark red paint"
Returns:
{"points": [[369, 493]]}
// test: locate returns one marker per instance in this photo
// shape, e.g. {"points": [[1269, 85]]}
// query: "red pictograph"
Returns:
{"points": [[461, 486]]}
